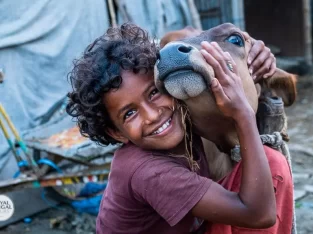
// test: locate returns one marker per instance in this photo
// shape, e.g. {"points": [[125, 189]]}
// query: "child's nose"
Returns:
{"points": [[153, 113]]}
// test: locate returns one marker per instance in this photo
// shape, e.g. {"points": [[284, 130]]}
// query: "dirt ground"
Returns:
{"points": [[300, 130], [64, 220]]}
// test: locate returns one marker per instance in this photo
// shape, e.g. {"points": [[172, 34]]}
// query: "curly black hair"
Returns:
{"points": [[127, 47]]}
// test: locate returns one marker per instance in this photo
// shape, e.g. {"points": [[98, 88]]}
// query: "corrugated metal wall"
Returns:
{"points": [[214, 12]]}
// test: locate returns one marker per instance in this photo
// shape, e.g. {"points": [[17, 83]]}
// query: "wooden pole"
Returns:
{"points": [[194, 15], [238, 13], [306, 8], [112, 13]]}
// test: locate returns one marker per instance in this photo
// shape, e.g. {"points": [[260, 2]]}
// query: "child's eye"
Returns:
{"points": [[129, 114], [153, 92]]}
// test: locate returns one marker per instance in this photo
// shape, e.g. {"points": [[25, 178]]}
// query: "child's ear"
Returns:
{"points": [[117, 135]]}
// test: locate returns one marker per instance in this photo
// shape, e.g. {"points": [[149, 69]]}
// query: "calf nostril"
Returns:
{"points": [[184, 49]]}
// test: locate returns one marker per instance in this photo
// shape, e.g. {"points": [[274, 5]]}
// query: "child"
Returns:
{"points": [[156, 185]]}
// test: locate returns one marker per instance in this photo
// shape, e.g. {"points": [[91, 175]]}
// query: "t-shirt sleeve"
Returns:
{"points": [[168, 187]]}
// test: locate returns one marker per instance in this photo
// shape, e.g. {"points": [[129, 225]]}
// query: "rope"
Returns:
{"points": [[188, 138]]}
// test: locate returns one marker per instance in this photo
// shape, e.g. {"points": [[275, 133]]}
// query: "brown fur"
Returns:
{"points": [[281, 84], [178, 35]]}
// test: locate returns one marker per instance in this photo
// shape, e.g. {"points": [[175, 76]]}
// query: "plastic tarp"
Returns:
{"points": [[38, 41], [63, 143], [159, 16]]}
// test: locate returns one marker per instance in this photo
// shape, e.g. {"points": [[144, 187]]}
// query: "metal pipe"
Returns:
{"points": [[10, 142], [19, 140]]}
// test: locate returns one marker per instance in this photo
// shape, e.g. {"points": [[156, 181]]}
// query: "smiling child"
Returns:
{"points": [[156, 185]]}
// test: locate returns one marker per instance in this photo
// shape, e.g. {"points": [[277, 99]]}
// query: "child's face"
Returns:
{"points": [[142, 115]]}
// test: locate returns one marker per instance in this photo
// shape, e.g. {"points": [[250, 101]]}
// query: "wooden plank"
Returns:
{"points": [[27, 202]]}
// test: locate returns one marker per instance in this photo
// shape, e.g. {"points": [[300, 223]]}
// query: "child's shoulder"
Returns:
{"points": [[130, 164], [129, 157], [126, 161]]}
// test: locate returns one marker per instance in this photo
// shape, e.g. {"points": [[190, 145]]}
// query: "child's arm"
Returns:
{"points": [[254, 206]]}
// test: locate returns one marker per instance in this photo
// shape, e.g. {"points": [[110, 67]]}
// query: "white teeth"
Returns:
{"points": [[163, 127]]}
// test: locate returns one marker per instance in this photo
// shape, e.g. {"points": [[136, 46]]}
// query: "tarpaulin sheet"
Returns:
{"points": [[38, 41], [159, 16], [61, 136]]}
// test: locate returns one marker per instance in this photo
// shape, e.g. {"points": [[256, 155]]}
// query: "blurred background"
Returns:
{"points": [[39, 39]]}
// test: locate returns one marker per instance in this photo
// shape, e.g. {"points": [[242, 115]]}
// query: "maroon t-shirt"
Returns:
{"points": [[151, 192]]}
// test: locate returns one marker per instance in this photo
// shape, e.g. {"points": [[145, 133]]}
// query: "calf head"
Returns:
{"points": [[182, 72]]}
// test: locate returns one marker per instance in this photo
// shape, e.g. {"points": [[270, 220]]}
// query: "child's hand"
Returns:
{"points": [[227, 86], [261, 62]]}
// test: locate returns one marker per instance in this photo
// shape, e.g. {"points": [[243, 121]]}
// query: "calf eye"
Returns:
{"points": [[236, 40]]}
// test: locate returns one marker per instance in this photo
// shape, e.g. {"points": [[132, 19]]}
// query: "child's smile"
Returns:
{"points": [[163, 128], [142, 114]]}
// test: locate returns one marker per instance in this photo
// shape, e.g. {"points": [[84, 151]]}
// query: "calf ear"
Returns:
{"points": [[283, 84]]}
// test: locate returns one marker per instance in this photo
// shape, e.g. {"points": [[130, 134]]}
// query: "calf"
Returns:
{"points": [[183, 73]]}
